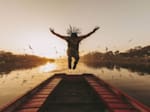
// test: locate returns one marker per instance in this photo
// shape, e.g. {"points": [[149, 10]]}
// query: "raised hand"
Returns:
{"points": [[52, 30], [96, 28]]}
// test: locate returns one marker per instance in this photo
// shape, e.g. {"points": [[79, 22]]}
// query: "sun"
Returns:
{"points": [[47, 47]]}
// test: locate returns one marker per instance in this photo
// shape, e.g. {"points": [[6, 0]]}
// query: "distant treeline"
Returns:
{"points": [[136, 59], [10, 61]]}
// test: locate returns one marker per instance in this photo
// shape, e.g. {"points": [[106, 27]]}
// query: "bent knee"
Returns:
{"points": [[77, 58]]}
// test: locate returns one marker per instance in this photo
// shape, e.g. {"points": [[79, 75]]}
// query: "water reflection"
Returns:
{"points": [[20, 65], [132, 83], [140, 69], [48, 67], [18, 82]]}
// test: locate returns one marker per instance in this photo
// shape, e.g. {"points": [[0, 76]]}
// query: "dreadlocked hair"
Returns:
{"points": [[73, 29]]}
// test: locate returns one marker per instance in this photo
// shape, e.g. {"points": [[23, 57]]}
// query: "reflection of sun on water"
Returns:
{"points": [[48, 67]]}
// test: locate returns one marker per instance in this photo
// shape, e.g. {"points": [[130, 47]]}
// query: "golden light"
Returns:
{"points": [[48, 67], [48, 47]]}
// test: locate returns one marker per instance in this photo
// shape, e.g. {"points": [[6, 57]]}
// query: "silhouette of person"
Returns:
{"points": [[73, 43]]}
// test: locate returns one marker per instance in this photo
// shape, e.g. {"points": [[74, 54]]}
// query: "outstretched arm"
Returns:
{"points": [[87, 35], [58, 35]]}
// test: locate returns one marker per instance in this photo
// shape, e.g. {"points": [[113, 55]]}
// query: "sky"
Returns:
{"points": [[24, 25]]}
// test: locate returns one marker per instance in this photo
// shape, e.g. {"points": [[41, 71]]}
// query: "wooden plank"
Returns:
{"points": [[119, 106], [109, 97], [28, 110], [110, 100], [37, 100], [125, 110], [33, 98], [32, 105]]}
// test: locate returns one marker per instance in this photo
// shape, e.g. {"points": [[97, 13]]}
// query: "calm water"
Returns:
{"points": [[18, 82]]}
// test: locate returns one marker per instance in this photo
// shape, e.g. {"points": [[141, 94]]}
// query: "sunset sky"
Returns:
{"points": [[24, 25]]}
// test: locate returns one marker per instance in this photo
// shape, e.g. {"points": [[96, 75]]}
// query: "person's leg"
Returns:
{"points": [[76, 61], [69, 62]]}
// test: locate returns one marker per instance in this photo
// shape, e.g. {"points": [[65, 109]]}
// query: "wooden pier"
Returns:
{"points": [[74, 93]]}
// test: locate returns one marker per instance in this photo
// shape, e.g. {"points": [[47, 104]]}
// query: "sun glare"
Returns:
{"points": [[48, 67], [50, 47]]}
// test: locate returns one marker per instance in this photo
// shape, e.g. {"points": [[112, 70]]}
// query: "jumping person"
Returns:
{"points": [[73, 41]]}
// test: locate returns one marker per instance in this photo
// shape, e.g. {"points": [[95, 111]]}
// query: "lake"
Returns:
{"points": [[18, 82]]}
